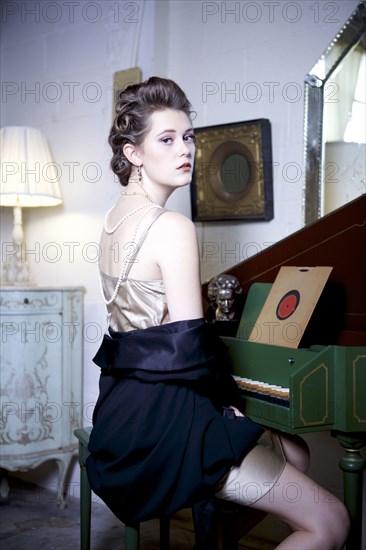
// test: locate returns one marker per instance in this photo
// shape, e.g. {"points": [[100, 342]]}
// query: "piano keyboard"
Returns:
{"points": [[263, 391]]}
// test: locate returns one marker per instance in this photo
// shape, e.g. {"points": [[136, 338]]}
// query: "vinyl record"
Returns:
{"points": [[288, 304]]}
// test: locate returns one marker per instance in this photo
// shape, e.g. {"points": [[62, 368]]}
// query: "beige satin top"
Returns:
{"points": [[138, 304]]}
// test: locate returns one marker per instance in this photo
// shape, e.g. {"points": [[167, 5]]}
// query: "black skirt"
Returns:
{"points": [[159, 441]]}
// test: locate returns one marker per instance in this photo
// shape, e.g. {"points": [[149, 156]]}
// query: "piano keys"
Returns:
{"points": [[271, 393]]}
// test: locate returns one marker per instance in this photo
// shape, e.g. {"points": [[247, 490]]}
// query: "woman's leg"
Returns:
{"points": [[318, 519], [308, 509], [296, 453]]}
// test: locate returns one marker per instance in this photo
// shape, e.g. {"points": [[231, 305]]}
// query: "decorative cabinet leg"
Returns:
{"points": [[63, 467], [353, 464]]}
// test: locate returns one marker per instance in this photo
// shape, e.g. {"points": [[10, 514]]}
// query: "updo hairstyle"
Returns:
{"points": [[134, 107]]}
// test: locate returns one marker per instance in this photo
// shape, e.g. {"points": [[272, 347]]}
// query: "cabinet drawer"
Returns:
{"points": [[30, 301]]}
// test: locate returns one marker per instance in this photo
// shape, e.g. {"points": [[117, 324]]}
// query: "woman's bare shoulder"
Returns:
{"points": [[172, 234], [174, 222]]}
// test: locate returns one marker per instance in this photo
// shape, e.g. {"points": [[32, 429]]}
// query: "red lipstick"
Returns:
{"points": [[185, 166]]}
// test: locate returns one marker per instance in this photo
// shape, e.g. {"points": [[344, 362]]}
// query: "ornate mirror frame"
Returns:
{"points": [[315, 84]]}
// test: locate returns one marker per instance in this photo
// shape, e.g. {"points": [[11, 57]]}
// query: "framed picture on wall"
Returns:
{"points": [[122, 79], [232, 178]]}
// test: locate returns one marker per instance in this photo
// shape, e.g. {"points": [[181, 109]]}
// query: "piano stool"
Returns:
{"points": [[132, 531]]}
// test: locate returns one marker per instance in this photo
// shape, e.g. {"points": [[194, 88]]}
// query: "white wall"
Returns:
{"points": [[67, 56], [246, 60]]}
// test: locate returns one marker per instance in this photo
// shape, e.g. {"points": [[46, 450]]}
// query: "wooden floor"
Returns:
{"points": [[31, 520]]}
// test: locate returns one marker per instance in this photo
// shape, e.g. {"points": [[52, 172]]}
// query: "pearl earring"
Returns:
{"points": [[140, 184], [139, 175]]}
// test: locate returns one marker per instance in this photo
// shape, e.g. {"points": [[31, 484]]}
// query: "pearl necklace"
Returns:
{"points": [[124, 264], [120, 222]]}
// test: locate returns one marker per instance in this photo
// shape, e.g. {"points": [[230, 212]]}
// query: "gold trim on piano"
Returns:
{"points": [[354, 364], [312, 422]]}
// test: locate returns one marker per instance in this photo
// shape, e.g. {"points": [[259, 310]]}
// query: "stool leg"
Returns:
{"points": [[132, 537], [164, 533], [85, 509]]}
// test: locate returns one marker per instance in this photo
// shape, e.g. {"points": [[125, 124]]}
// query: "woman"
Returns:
{"points": [[168, 431]]}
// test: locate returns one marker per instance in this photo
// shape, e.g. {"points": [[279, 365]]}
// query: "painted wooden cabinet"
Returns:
{"points": [[41, 378]]}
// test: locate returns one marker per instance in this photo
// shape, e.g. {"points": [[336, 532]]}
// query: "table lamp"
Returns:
{"points": [[29, 178]]}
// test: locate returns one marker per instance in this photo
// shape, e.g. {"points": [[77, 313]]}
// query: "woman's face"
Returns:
{"points": [[167, 152]]}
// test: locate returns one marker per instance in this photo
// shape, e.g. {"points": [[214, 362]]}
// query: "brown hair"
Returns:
{"points": [[134, 107]]}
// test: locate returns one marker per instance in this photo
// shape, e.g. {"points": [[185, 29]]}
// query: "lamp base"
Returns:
{"points": [[16, 268]]}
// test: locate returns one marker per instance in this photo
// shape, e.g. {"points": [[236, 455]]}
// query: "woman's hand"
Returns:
{"points": [[236, 411]]}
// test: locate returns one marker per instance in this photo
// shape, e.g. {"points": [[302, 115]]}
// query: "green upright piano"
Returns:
{"points": [[321, 385]]}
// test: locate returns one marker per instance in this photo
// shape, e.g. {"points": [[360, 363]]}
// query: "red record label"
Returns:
{"points": [[288, 304]]}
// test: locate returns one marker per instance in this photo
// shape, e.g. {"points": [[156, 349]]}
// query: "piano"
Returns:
{"points": [[321, 385]]}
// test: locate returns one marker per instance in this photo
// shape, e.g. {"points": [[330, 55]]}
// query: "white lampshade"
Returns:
{"points": [[29, 176]]}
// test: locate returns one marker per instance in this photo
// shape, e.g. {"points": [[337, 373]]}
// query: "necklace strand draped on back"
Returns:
{"points": [[125, 262]]}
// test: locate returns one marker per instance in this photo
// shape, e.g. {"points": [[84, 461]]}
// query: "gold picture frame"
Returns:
{"points": [[232, 177], [122, 79]]}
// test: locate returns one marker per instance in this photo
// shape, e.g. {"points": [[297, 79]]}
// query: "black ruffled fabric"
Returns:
{"points": [[159, 441]]}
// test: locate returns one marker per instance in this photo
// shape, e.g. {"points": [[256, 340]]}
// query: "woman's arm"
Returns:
{"points": [[177, 255]]}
